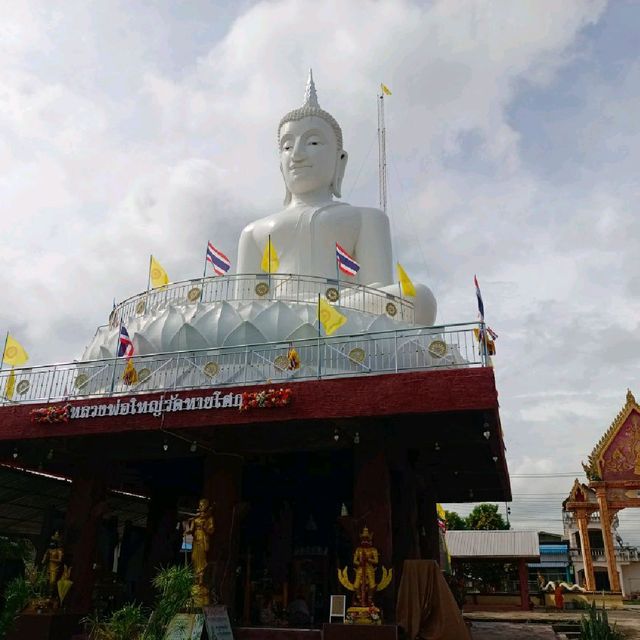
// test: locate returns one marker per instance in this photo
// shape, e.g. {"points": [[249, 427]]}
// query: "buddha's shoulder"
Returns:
{"points": [[370, 212]]}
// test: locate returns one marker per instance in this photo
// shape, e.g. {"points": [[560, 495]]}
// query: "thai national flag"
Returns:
{"points": [[346, 263], [220, 263], [479, 296], [125, 346]]}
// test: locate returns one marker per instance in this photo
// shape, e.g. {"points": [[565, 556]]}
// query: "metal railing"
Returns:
{"points": [[322, 357], [624, 554], [276, 286], [571, 520]]}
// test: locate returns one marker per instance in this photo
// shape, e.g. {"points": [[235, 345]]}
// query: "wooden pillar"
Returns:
{"points": [[430, 533], [406, 497], [585, 550], [372, 508], [87, 505], [609, 551], [163, 540], [523, 575], [223, 488]]}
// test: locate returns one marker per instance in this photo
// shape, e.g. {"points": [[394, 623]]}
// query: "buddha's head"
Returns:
{"points": [[203, 505], [310, 145]]}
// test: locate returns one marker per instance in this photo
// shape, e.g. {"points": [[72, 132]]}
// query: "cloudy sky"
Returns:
{"points": [[130, 128]]}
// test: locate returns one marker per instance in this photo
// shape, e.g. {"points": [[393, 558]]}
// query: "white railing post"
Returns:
{"points": [[395, 348]]}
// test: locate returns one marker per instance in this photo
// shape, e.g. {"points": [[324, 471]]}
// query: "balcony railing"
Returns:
{"points": [[624, 554], [276, 286], [322, 357], [570, 520]]}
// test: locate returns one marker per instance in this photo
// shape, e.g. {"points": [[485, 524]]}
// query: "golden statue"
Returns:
{"points": [[53, 556], [201, 527], [365, 562], [65, 583]]}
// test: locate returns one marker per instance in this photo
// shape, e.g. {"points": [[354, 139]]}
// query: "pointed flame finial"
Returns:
{"points": [[310, 95]]}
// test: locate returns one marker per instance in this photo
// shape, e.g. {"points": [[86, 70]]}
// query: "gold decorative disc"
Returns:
{"points": [[332, 294], [211, 369], [357, 355], [262, 288], [391, 309], [194, 294], [22, 387], [140, 307], [437, 348], [143, 375], [81, 380], [281, 362]]}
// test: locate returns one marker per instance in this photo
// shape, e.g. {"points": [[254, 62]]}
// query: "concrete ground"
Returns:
{"points": [[511, 631], [524, 624]]}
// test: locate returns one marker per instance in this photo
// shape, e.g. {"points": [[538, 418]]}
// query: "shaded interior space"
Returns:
{"points": [[289, 499], [291, 541]]}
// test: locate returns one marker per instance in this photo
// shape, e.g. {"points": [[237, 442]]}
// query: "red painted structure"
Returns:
{"points": [[414, 439]]}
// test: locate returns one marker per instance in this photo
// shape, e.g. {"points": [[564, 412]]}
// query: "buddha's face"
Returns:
{"points": [[308, 155]]}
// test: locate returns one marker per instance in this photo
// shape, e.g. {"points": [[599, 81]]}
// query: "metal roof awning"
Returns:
{"points": [[493, 545]]}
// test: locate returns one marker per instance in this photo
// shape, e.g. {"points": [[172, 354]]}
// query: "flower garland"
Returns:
{"points": [[51, 414], [265, 399]]}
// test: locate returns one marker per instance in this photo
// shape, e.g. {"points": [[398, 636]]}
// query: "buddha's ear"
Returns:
{"points": [[287, 193], [341, 165]]}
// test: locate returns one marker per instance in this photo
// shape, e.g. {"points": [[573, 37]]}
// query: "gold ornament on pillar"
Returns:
{"points": [[365, 563], [201, 527]]}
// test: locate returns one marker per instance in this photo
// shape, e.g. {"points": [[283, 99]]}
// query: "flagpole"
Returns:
{"points": [[338, 275], [4, 349], [204, 273], [382, 153], [149, 274], [319, 335], [115, 359], [269, 250]]}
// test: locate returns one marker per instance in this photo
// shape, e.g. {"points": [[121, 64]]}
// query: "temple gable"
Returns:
{"points": [[617, 454]]}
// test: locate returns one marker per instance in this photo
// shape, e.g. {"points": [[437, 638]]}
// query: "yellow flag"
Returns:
{"points": [[130, 374], [406, 286], [10, 387], [158, 275], [14, 353], [270, 260], [329, 316], [385, 89]]}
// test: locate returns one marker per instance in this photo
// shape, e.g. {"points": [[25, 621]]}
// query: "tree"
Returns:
{"points": [[485, 517], [454, 521]]}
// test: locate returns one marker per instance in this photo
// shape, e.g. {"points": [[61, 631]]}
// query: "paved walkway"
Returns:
{"points": [[511, 631], [627, 620]]}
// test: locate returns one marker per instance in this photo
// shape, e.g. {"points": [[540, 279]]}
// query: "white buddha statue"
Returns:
{"points": [[305, 232]]}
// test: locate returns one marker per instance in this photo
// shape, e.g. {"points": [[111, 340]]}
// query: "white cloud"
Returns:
{"points": [[118, 139]]}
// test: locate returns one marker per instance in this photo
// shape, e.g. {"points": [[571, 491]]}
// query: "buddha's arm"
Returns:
{"points": [[249, 256], [373, 249]]}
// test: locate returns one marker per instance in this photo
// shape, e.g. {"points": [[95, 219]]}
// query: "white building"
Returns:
{"points": [[627, 557]]}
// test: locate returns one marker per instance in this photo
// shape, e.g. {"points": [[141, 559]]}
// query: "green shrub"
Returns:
{"points": [[174, 586], [16, 598], [596, 626], [132, 622]]}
